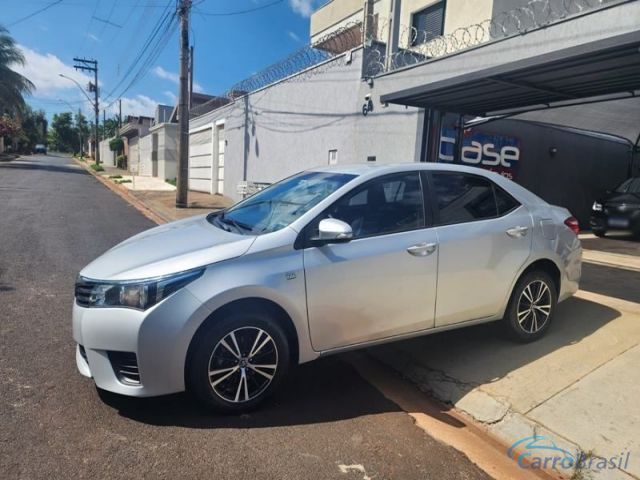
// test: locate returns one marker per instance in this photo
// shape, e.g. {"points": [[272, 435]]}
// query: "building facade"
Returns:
{"points": [[331, 112]]}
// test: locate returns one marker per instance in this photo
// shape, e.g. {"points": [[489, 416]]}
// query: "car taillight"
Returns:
{"points": [[573, 224]]}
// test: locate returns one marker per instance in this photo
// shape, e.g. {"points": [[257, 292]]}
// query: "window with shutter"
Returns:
{"points": [[428, 23]]}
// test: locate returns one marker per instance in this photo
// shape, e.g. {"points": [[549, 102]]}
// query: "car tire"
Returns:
{"points": [[531, 307], [599, 233], [249, 354]]}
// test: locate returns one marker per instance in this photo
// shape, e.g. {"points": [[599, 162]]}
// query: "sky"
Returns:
{"points": [[227, 48]]}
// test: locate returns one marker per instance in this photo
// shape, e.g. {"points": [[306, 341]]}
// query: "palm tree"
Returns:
{"points": [[13, 86]]}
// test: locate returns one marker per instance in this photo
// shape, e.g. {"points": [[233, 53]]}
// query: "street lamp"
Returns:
{"points": [[95, 108], [79, 125]]}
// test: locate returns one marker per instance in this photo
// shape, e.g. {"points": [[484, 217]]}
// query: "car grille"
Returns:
{"points": [[125, 366], [83, 292]]}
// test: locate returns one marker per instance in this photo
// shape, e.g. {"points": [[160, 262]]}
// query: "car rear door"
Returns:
{"points": [[484, 237], [383, 282]]}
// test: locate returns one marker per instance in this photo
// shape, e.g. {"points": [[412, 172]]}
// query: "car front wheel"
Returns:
{"points": [[238, 362], [531, 307]]}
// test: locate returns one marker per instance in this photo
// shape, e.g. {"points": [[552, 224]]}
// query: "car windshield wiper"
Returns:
{"points": [[238, 225]]}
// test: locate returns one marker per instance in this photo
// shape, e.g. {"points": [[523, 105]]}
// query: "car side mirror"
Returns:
{"points": [[332, 230]]}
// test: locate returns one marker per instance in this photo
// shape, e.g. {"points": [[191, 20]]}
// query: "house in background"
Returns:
{"points": [[162, 145], [322, 104], [132, 131]]}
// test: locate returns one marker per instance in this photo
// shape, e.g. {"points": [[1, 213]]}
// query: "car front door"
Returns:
{"points": [[484, 237], [383, 282]]}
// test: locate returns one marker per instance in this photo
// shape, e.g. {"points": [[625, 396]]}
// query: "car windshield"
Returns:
{"points": [[280, 204], [632, 185]]}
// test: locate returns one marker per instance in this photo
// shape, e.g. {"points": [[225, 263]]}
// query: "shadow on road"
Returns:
{"points": [[44, 167], [611, 281], [326, 390], [615, 242]]}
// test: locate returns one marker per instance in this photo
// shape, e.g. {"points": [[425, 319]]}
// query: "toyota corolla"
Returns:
{"points": [[322, 262]]}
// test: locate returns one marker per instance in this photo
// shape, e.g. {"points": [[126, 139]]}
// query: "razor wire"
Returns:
{"points": [[416, 46], [299, 65]]}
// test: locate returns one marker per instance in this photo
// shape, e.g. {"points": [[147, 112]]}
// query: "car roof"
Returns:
{"points": [[375, 169], [370, 170]]}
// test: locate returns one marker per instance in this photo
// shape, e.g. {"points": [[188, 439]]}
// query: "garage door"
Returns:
{"points": [[144, 152], [201, 161]]}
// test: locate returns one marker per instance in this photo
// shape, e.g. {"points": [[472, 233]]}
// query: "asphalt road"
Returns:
{"points": [[327, 422]]}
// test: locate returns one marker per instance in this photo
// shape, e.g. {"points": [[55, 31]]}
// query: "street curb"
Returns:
{"points": [[126, 196], [446, 424]]}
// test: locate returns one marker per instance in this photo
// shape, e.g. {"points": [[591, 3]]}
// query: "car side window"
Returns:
{"points": [[390, 204], [506, 203], [463, 198]]}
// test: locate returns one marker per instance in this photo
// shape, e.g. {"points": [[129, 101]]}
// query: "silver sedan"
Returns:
{"points": [[324, 261]]}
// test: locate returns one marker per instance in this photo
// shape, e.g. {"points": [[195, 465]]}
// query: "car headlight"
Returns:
{"points": [[597, 207], [138, 294]]}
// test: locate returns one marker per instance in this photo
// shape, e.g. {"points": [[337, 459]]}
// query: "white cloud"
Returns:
{"points": [[171, 96], [93, 37], [293, 36], [44, 70], [160, 72], [138, 105], [302, 7]]}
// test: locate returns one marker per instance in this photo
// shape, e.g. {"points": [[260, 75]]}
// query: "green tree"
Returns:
{"points": [[82, 127], [109, 128], [63, 137], [13, 86], [34, 129]]}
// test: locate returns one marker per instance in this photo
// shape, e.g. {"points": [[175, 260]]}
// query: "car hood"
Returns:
{"points": [[616, 198], [167, 249]]}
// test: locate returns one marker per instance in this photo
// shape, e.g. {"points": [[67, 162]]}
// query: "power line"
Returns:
{"points": [[238, 12], [148, 54], [35, 13], [106, 22], [86, 33]]}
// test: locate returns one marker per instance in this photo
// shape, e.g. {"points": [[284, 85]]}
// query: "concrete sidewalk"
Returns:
{"points": [[578, 386], [155, 196]]}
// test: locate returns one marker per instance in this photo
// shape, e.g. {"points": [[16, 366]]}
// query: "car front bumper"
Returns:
{"points": [[159, 337]]}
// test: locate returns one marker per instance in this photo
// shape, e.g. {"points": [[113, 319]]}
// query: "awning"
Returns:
{"points": [[602, 70]]}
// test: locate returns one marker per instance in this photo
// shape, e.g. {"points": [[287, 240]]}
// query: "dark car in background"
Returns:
{"points": [[40, 148], [618, 209]]}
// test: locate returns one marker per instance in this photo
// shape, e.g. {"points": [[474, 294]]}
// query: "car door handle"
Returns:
{"points": [[422, 249], [517, 232]]}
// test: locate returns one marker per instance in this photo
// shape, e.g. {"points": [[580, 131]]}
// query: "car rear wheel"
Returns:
{"points": [[531, 307], [238, 362]]}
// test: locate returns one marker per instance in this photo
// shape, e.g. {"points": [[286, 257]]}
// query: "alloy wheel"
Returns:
{"points": [[243, 364], [534, 306]]}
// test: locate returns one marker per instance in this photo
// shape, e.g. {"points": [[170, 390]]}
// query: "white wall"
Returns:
{"points": [[107, 157], [292, 125], [167, 150], [133, 158], [144, 154]]}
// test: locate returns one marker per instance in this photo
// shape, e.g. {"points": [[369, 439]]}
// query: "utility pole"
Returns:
{"points": [[183, 108], [119, 113], [80, 131], [191, 77], [104, 124], [92, 66]]}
